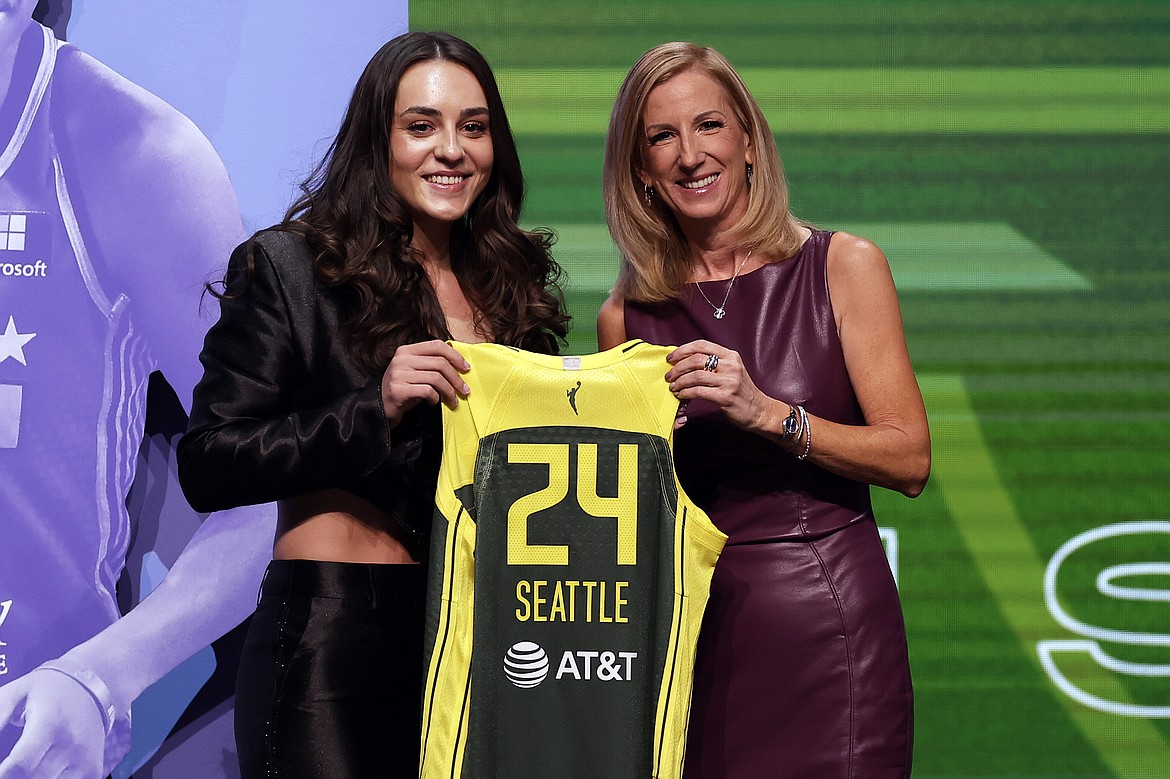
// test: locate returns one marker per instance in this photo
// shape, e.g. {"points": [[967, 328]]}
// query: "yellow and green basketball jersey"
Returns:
{"points": [[568, 575]]}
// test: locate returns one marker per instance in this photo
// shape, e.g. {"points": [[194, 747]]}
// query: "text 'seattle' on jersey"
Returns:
{"points": [[569, 572]]}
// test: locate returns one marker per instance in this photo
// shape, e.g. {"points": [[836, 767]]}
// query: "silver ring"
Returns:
{"points": [[712, 363]]}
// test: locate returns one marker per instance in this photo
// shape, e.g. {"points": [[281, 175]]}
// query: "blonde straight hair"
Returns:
{"points": [[656, 260]]}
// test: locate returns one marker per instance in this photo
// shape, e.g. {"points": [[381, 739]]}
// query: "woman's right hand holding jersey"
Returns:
{"points": [[422, 371]]}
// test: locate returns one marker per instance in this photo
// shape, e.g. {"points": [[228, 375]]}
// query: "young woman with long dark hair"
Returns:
{"points": [[320, 389]]}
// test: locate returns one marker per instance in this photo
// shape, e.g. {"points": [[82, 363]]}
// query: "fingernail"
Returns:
{"points": [[466, 389]]}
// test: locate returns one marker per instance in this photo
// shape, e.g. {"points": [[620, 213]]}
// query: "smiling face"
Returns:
{"points": [[440, 143], [695, 152]]}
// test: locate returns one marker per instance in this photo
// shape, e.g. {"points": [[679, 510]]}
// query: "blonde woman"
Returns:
{"points": [[797, 395]]}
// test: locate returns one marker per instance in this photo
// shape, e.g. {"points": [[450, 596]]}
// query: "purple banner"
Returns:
{"points": [[132, 159]]}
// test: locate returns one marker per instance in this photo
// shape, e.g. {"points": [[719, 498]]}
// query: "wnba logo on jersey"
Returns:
{"points": [[526, 665], [572, 395]]}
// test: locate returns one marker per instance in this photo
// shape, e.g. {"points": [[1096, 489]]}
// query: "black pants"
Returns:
{"points": [[330, 681]]}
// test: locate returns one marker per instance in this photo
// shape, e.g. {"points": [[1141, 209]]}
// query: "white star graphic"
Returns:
{"points": [[12, 343]]}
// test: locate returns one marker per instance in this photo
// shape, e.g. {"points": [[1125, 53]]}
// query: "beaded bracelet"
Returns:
{"points": [[807, 434]]}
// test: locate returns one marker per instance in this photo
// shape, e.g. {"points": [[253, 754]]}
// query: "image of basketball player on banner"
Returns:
{"points": [[115, 209]]}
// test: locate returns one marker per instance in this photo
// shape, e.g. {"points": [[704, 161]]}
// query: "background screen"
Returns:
{"points": [[1013, 161]]}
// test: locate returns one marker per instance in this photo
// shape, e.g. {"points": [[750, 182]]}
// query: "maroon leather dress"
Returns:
{"points": [[802, 668]]}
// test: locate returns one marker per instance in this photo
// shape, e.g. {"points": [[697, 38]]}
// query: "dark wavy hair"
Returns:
{"points": [[361, 230]]}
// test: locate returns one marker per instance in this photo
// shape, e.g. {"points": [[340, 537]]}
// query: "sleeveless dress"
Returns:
{"points": [[802, 667]]}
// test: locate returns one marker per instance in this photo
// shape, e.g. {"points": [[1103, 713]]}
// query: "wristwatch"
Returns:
{"points": [[791, 423]]}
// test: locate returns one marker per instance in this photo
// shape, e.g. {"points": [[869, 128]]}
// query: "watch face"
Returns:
{"points": [[791, 424]]}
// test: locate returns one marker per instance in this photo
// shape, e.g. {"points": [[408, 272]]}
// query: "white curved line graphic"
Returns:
{"points": [[1084, 539], [1046, 649], [1107, 577]]}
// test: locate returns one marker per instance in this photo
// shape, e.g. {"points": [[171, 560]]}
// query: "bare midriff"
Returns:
{"points": [[338, 526]]}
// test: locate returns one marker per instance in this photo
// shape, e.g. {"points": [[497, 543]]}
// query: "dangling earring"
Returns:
{"points": [[749, 175], [648, 195]]}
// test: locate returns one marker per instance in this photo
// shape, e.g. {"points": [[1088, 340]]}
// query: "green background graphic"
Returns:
{"points": [[1013, 160]]}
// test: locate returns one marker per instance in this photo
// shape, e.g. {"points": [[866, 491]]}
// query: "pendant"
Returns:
{"points": [[719, 313]]}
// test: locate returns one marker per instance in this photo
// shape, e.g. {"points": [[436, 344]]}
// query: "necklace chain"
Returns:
{"points": [[721, 309]]}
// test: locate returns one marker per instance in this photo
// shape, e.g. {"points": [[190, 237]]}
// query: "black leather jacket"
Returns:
{"points": [[283, 409]]}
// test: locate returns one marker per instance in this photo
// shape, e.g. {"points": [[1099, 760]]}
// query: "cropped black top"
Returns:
{"points": [[284, 410]]}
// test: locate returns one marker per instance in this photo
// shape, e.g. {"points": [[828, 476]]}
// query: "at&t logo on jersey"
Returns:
{"points": [[526, 665]]}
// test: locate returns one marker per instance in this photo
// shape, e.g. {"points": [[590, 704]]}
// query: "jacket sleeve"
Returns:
{"points": [[246, 442]]}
